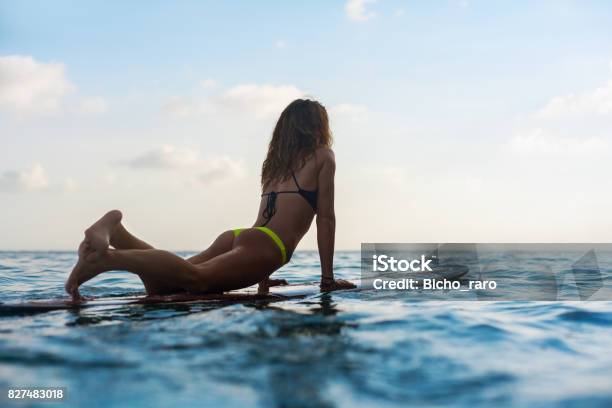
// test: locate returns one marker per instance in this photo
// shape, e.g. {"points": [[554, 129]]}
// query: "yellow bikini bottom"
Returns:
{"points": [[271, 234]]}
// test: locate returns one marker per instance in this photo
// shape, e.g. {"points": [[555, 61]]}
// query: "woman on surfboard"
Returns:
{"points": [[297, 181]]}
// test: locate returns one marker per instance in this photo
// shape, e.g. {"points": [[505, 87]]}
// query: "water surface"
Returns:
{"points": [[341, 349]]}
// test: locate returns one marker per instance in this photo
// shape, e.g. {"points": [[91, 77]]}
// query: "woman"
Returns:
{"points": [[298, 183]]}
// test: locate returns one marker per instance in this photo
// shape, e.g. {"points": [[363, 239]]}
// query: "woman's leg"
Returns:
{"points": [[108, 230], [255, 258], [160, 271], [88, 267], [121, 238], [223, 243]]}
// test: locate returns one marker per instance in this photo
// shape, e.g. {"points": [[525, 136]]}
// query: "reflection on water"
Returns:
{"points": [[340, 349]]}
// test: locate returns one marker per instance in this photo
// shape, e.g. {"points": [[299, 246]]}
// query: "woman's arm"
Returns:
{"points": [[326, 224], [326, 216]]}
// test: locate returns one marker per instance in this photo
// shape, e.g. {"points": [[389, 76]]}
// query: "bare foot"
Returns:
{"points": [[85, 269], [97, 237]]}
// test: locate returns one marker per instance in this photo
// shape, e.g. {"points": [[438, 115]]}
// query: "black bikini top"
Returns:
{"points": [[309, 195]]}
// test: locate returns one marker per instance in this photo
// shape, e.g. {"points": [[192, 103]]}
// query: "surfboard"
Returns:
{"points": [[276, 294]]}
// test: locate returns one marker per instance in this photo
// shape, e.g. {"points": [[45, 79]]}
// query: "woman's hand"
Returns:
{"points": [[327, 285], [267, 283]]}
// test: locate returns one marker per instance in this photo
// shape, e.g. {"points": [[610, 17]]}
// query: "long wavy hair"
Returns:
{"points": [[301, 129]]}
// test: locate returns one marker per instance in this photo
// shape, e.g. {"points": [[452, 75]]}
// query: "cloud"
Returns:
{"points": [[348, 110], [593, 102], [539, 141], [218, 169], [93, 106], [207, 170], [573, 124], [259, 100], [208, 83], [180, 107], [29, 86], [280, 44], [356, 10], [391, 174], [70, 185], [34, 178], [256, 100], [110, 178], [165, 157]]}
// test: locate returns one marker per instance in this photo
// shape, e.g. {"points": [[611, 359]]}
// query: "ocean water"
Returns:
{"points": [[341, 349]]}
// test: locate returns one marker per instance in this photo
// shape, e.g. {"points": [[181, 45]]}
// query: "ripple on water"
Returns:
{"points": [[587, 317]]}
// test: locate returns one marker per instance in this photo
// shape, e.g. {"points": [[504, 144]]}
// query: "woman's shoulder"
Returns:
{"points": [[322, 157], [325, 154]]}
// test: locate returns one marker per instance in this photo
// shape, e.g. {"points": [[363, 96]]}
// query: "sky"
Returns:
{"points": [[454, 121]]}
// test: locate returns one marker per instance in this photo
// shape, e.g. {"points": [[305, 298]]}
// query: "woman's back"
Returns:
{"points": [[293, 213]]}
